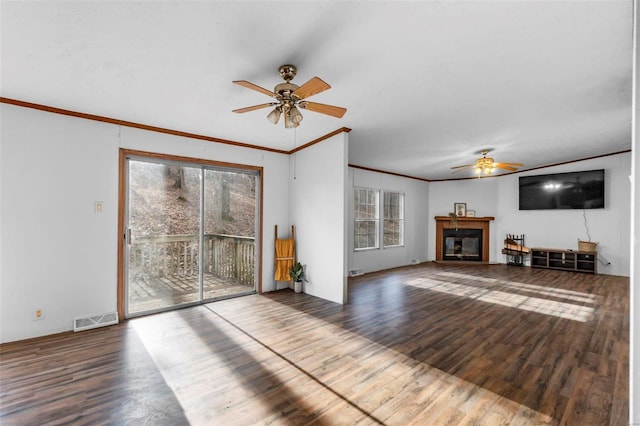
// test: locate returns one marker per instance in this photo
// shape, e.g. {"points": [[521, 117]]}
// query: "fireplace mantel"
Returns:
{"points": [[444, 222]]}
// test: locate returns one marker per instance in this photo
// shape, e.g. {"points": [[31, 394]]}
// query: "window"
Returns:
{"points": [[366, 218], [393, 224]]}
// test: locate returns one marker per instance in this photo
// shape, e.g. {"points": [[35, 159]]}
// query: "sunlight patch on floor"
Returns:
{"points": [[547, 291], [204, 399], [328, 380], [344, 362], [512, 300]]}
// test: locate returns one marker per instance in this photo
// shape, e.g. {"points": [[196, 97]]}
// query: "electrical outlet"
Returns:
{"points": [[38, 314]]}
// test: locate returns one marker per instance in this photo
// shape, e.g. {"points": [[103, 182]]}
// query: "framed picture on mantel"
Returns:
{"points": [[471, 213], [460, 209]]}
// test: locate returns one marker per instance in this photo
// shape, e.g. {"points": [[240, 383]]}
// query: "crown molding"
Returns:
{"points": [[369, 169], [489, 176], [132, 124]]}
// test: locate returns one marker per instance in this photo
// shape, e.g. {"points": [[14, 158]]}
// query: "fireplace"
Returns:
{"points": [[468, 240], [462, 244]]}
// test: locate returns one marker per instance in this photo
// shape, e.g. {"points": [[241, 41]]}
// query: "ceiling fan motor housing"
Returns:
{"points": [[288, 72], [484, 162], [285, 90]]}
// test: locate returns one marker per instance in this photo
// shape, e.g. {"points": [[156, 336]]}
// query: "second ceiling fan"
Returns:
{"points": [[289, 97], [486, 165]]}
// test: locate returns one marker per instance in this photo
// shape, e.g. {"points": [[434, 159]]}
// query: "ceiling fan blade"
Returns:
{"points": [[504, 166], [311, 87], [255, 107], [512, 164], [255, 87], [460, 168], [331, 110]]}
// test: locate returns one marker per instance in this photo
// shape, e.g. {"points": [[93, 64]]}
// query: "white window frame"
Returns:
{"points": [[357, 220], [388, 218]]}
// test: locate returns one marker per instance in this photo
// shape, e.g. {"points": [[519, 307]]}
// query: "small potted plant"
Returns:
{"points": [[297, 276], [453, 220]]}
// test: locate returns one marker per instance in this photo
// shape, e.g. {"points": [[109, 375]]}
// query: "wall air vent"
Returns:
{"points": [[95, 321], [355, 272]]}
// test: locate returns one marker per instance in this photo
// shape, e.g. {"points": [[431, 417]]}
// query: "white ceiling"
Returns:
{"points": [[427, 84]]}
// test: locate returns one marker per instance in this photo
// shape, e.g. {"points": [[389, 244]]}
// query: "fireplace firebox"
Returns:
{"points": [[468, 239], [462, 244]]}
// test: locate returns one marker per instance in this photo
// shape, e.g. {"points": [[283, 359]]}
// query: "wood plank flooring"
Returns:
{"points": [[421, 345]]}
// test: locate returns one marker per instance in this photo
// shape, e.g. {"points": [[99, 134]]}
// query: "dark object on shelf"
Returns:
{"points": [[566, 260], [515, 249]]}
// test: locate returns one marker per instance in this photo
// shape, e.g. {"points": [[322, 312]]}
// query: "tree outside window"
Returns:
{"points": [[366, 218], [393, 224]]}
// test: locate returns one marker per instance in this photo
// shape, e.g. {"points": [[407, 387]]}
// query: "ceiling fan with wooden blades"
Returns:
{"points": [[486, 165], [289, 97]]}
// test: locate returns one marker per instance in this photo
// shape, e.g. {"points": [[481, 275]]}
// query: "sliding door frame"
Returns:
{"points": [[122, 197]]}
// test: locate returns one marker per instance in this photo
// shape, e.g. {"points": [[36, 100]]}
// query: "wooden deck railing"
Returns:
{"points": [[225, 256]]}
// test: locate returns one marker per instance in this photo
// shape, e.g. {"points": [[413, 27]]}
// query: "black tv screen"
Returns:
{"points": [[576, 190]]}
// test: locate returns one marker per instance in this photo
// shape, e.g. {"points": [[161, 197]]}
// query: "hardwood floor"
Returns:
{"points": [[421, 345]]}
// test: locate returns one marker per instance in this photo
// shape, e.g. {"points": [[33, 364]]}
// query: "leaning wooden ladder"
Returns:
{"points": [[285, 256]]}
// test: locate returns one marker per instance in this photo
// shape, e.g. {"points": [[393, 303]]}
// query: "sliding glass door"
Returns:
{"points": [[190, 234], [229, 233]]}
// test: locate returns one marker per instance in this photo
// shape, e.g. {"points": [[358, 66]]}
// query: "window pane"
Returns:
{"points": [[365, 211], [393, 224]]}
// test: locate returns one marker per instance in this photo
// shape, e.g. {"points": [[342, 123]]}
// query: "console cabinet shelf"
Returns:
{"points": [[566, 260]]}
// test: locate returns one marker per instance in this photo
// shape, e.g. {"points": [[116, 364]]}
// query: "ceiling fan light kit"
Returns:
{"points": [[484, 165], [290, 97], [274, 115]]}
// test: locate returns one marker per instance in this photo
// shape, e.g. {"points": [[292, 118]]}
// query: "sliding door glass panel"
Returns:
{"points": [[229, 249], [163, 236]]}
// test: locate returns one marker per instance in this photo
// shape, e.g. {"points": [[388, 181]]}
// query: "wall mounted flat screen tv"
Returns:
{"points": [[576, 190]]}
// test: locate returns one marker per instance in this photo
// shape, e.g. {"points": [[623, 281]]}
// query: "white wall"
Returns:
{"points": [[57, 254], [318, 184], [479, 195], [609, 227], [498, 197], [634, 347], [416, 236]]}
